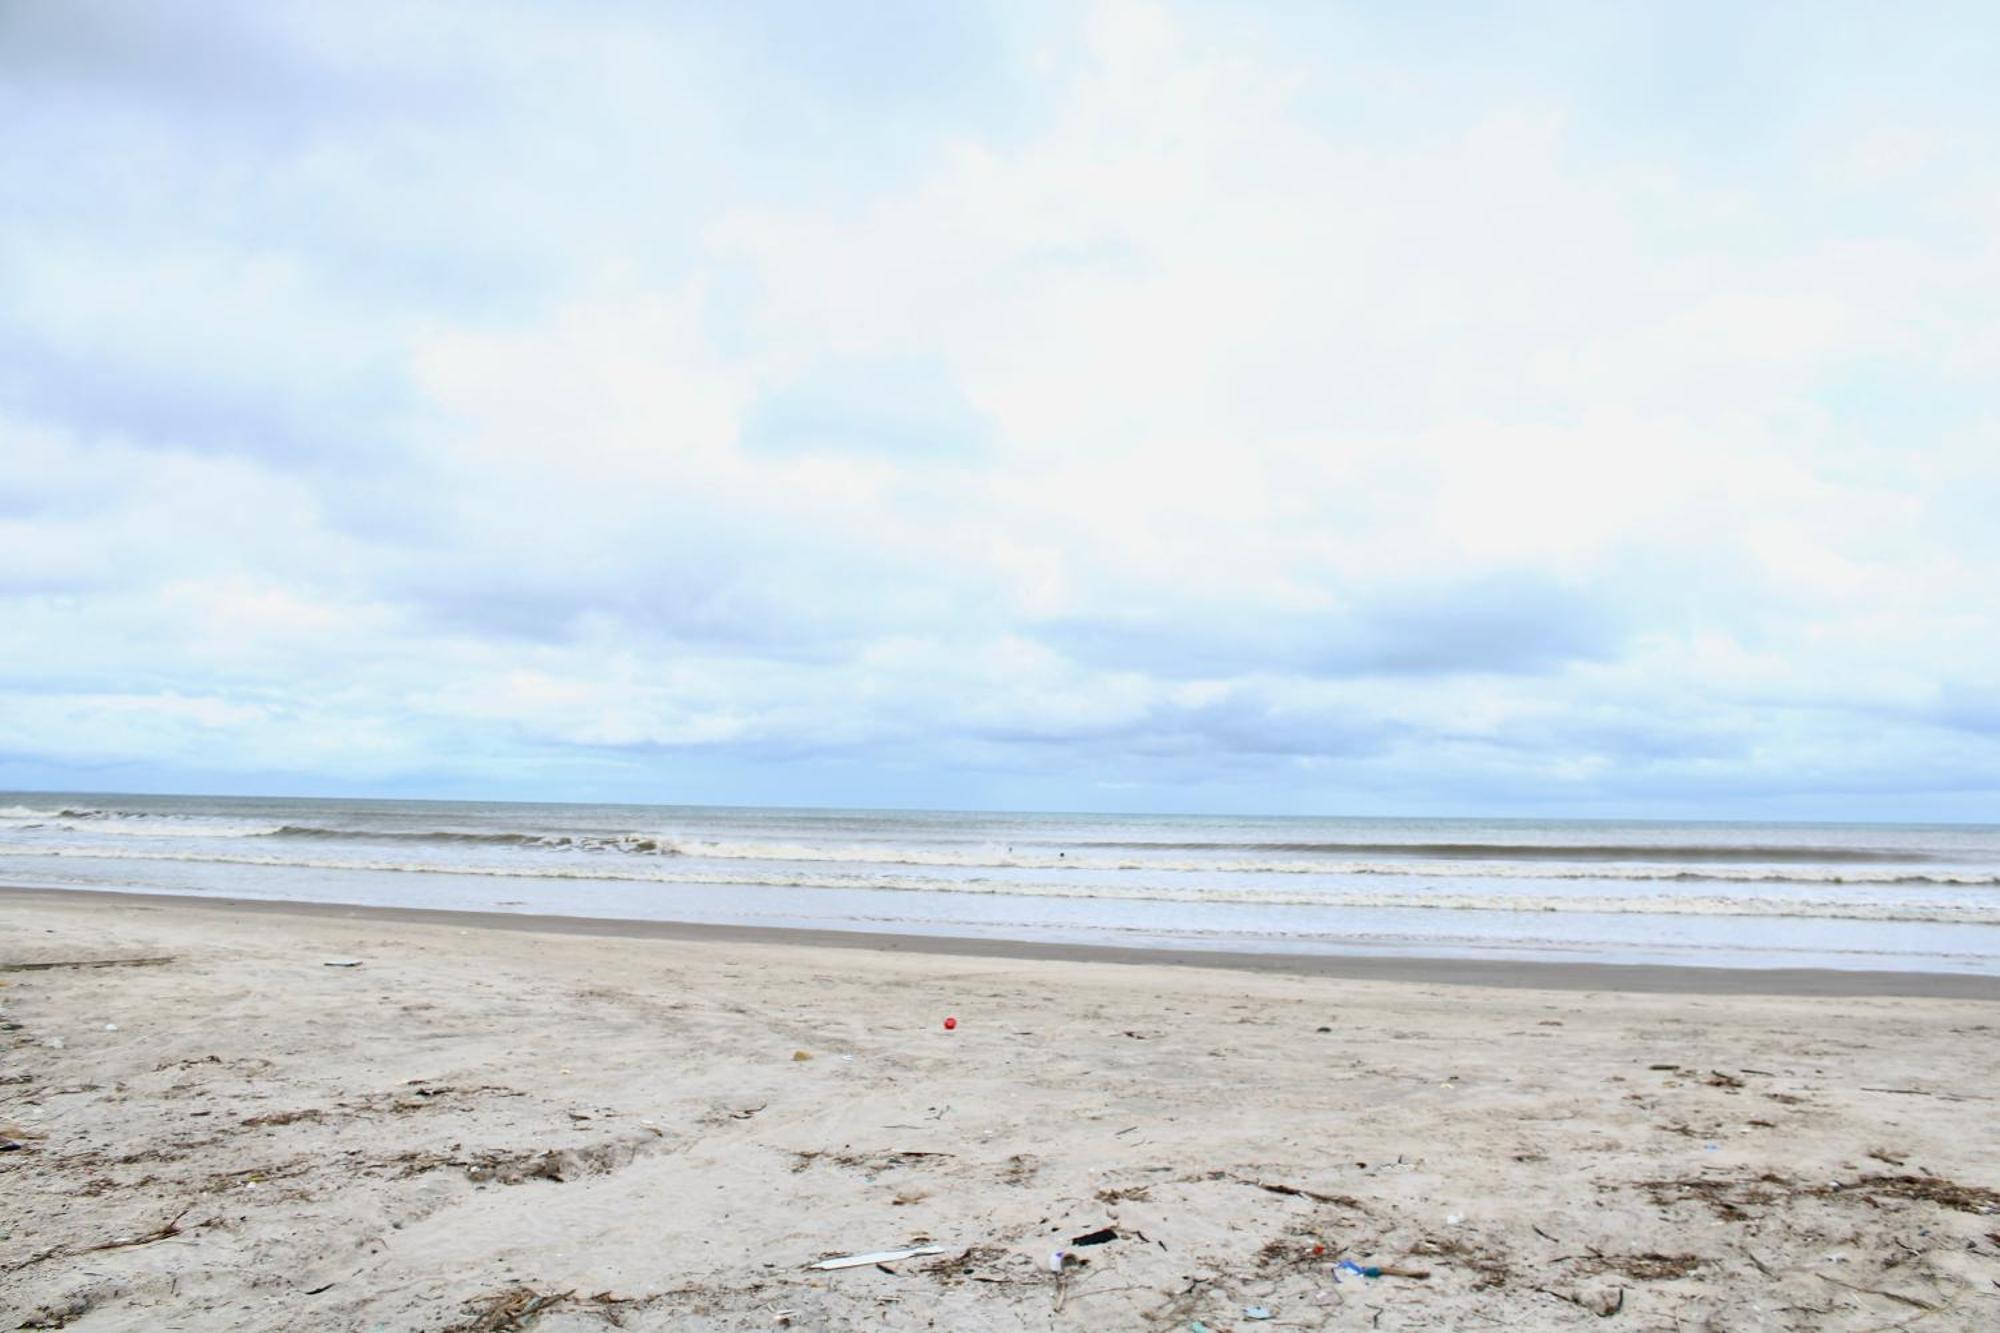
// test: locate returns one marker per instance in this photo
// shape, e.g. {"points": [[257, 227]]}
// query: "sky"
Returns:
{"points": [[1293, 407]]}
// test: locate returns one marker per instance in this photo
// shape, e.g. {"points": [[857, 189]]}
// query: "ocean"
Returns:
{"points": [[1903, 897]]}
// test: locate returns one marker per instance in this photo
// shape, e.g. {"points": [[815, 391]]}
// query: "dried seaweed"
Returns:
{"points": [[1641, 1267], [1975, 1199], [1732, 1197], [1490, 1266], [509, 1309]]}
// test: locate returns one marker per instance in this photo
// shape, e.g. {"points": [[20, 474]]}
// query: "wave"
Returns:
{"points": [[1502, 859], [23, 812], [136, 825], [1848, 909], [1694, 862], [130, 825], [635, 843], [1537, 851], [992, 858]]}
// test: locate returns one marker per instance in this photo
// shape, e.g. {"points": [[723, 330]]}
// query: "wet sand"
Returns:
{"points": [[495, 1122], [1512, 973]]}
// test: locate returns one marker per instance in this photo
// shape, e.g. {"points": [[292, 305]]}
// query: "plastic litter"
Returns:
{"points": [[342, 962], [1062, 1260], [950, 1024], [1256, 1312], [1377, 1270], [878, 1257], [1094, 1237]]}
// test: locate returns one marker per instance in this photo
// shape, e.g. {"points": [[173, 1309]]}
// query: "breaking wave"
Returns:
{"points": [[1611, 862], [1539, 851], [636, 843], [1969, 912]]}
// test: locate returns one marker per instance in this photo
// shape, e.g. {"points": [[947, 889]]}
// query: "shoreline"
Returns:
{"points": [[1508, 974]]}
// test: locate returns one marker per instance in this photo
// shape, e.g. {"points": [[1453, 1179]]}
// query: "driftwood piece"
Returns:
{"points": [[87, 962]]}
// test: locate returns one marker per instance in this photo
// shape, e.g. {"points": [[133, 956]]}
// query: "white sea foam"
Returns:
{"points": [[1984, 911], [1676, 867], [1496, 869], [121, 827]]}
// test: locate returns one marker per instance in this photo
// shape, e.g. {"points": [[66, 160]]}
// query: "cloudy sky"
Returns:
{"points": [[1301, 407]]}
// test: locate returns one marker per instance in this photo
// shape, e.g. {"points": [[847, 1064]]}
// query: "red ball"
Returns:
{"points": [[950, 1024]]}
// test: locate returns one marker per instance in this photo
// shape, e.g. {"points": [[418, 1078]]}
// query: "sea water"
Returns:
{"points": [[1859, 896]]}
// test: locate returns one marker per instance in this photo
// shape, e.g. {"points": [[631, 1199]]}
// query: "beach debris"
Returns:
{"points": [[1602, 1303], [800, 1057], [89, 962], [508, 1309], [1099, 1237], [341, 962], [1198, 1327], [110, 1027], [1294, 1191], [1378, 1270], [1257, 1312], [878, 1257], [1739, 1199], [58, 1314], [165, 1231], [950, 1024]]}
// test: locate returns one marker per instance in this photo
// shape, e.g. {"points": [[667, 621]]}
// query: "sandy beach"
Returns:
{"points": [[205, 1125]]}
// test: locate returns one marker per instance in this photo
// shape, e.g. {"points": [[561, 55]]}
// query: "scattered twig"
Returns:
{"points": [[1616, 1303], [509, 1309], [1293, 1191], [171, 1228], [1921, 1092], [166, 1231], [1898, 1297]]}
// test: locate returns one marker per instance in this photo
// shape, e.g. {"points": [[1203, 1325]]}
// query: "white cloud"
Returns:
{"points": [[1252, 452]]}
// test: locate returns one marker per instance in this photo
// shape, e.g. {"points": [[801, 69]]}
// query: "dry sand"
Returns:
{"points": [[486, 1129]]}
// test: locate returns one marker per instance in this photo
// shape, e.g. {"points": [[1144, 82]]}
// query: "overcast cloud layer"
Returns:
{"points": [[1300, 408]]}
